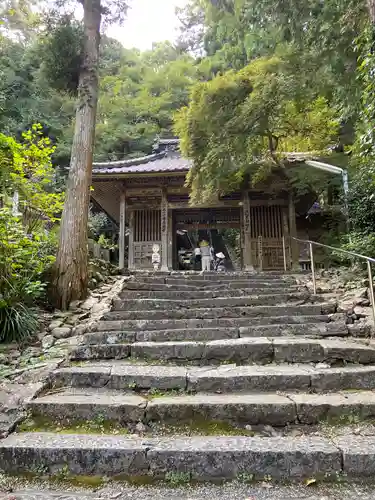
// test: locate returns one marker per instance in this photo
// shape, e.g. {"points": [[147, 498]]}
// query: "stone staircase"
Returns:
{"points": [[205, 377]]}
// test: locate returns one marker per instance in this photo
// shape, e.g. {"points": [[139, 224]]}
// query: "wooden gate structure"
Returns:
{"points": [[148, 197]]}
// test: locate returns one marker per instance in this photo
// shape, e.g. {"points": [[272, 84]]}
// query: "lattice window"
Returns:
{"points": [[147, 225]]}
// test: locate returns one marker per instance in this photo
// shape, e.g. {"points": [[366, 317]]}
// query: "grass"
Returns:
{"points": [[97, 426], [155, 393], [177, 478]]}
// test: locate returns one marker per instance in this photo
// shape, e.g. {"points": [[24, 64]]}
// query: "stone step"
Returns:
{"points": [[178, 292], [198, 457], [122, 375], [74, 405], [179, 324], [143, 304], [131, 287], [213, 313], [306, 329], [218, 280], [213, 276], [240, 351]]}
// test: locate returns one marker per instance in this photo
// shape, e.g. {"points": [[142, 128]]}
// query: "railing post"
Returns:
{"points": [[284, 254], [371, 287], [312, 267]]}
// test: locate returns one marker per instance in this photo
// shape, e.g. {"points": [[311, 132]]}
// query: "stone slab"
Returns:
{"points": [[82, 376], [81, 454], [168, 351], [100, 351], [173, 292], [179, 324], [111, 337], [256, 311], [89, 404], [197, 334], [270, 409], [315, 408], [297, 350], [202, 457], [353, 352], [250, 350], [227, 457], [358, 455], [231, 378], [146, 304], [313, 326], [349, 377], [127, 376]]}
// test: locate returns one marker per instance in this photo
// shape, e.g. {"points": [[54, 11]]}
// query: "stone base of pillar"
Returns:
{"points": [[164, 269], [250, 269]]}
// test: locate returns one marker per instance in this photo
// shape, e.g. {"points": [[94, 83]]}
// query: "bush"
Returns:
{"points": [[363, 243], [22, 262]]}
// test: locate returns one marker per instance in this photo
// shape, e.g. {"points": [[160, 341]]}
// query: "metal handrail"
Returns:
{"points": [[369, 260]]}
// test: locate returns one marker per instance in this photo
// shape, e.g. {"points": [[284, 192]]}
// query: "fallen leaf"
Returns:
{"points": [[309, 482]]}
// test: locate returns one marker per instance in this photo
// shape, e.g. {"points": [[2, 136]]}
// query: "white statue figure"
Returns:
{"points": [[156, 257]]}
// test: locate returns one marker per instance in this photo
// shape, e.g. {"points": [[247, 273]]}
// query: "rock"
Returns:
{"points": [[362, 293], [358, 301], [55, 324], [362, 312], [42, 334], [330, 307], [80, 330], [99, 307], [72, 320], [62, 332], [14, 354], [83, 316], [74, 305], [87, 305], [99, 276], [140, 428], [360, 329], [48, 341], [322, 366], [32, 352]]}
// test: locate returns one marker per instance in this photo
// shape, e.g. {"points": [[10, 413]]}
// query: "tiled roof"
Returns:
{"points": [[158, 162]]}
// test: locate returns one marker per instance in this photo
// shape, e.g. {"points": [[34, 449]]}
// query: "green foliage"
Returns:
{"points": [[241, 123], [97, 223], [61, 53], [26, 168], [21, 264], [362, 200], [26, 248], [106, 243], [360, 242]]}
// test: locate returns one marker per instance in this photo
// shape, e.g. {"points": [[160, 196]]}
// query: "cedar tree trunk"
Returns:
{"points": [[71, 268]]}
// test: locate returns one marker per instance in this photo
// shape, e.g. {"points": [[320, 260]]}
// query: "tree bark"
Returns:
{"points": [[71, 268], [371, 10]]}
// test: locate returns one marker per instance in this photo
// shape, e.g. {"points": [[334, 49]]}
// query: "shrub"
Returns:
{"points": [[22, 261]]}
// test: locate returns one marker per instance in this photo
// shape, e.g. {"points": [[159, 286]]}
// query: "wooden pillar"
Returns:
{"points": [[286, 237], [170, 240], [131, 240], [122, 231], [246, 231], [164, 231], [294, 247]]}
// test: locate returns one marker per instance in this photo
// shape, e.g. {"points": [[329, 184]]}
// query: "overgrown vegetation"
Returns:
{"points": [[29, 208]]}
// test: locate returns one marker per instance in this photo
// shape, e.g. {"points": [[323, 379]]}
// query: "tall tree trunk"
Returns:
{"points": [[71, 268], [371, 10]]}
